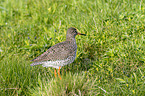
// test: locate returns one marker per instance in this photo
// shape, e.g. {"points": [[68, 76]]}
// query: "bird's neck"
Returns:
{"points": [[70, 39]]}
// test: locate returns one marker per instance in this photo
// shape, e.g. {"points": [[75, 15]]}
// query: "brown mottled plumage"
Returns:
{"points": [[60, 54]]}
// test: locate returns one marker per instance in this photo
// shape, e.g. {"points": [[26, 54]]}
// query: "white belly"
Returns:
{"points": [[58, 63]]}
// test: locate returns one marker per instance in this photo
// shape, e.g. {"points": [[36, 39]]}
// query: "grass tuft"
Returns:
{"points": [[71, 84]]}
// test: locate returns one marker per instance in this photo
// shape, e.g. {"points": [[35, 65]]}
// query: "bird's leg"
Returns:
{"points": [[59, 72], [55, 72]]}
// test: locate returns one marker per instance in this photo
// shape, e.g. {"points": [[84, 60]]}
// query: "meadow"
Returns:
{"points": [[110, 60]]}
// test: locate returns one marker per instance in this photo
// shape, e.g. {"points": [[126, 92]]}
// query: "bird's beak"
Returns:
{"points": [[81, 34]]}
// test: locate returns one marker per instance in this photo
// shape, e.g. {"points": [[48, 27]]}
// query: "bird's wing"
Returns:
{"points": [[57, 52]]}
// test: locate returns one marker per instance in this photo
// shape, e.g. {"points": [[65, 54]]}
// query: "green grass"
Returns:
{"points": [[70, 85], [110, 59]]}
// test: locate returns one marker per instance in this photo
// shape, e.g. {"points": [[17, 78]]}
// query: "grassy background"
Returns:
{"points": [[110, 59]]}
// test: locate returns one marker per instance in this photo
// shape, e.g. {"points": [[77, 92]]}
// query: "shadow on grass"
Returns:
{"points": [[85, 60]]}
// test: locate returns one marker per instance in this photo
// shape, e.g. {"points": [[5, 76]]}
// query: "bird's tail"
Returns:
{"points": [[36, 63]]}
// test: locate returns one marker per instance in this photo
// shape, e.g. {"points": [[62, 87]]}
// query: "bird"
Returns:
{"points": [[61, 54]]}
